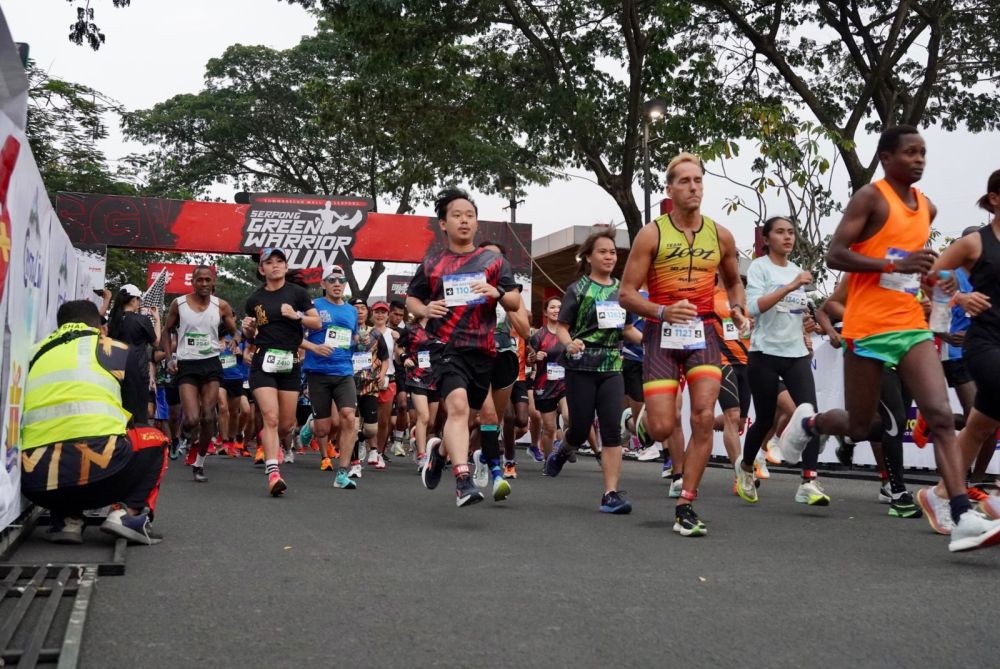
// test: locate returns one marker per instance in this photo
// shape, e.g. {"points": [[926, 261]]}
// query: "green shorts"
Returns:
{"points": [[889, 347]]}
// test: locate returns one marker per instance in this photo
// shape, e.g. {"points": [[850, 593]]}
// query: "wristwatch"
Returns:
{"points": [[501, 292]]}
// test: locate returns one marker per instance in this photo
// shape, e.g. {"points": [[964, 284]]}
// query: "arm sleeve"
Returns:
{"points": [[419, 287], [567, 313], [755, 287]]}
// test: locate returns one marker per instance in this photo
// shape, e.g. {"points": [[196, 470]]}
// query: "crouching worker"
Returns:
{"points": [[77, 452]]}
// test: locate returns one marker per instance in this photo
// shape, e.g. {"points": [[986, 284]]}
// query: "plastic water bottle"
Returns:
{"points": [[940, 320]]}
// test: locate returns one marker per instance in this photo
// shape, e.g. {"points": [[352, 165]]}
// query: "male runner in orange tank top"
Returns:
{"points": [[881, 241]]}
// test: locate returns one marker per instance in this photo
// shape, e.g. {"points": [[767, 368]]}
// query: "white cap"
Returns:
{"points": [[131, 290], [333, 270]]}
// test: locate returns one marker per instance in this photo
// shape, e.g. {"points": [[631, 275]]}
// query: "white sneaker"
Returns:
{"points": [[937, 510], [973, 531], [991, 507], [811, 493], [745, 487], [760, 464], [398, 449], [676, 488], [355, 471], [362, 449], [481, 474], [794, 439], [372, 458], [421, 462], [623, 425], [885, 494], [379, 461], [648, 454]]}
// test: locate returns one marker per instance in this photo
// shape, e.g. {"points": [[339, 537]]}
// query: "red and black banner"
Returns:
{"points": [[396, 286]]}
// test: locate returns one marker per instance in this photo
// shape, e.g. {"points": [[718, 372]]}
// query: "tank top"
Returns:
{"points": [[198, 331], [734, 351], [682, 270], [879, 303], [984, 333]]}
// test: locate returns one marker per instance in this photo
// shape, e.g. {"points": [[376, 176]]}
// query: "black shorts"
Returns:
{"points": [[470, 370], [956, 372], [302, 413], [198, 372], [325, 391], [505, 369], [368, 409], [431, 395], [632, 373], [549, 404], [173, 395], [287, 381], [400, 377], [234, 388], [735, 390], [519, 393]]}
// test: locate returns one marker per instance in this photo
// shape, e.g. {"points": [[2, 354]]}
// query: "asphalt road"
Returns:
{"points": [[394, 575]]}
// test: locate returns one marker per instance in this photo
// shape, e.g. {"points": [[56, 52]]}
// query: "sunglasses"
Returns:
{"points": [[336, 279]]}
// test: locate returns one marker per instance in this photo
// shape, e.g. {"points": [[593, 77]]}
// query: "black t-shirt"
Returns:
{"points": [[273, 329], [465, 327], [137, 331]]}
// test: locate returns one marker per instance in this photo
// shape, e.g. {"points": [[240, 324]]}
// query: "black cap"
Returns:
{"points": [[356, 301]]}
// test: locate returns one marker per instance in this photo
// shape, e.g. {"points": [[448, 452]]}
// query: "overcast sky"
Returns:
{"points": [[158, 48]]}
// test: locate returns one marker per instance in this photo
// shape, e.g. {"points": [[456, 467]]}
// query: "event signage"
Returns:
{"points": [[396, 286], [178, 279]]}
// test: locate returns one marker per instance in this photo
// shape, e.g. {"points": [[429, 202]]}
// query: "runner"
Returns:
{"points": [[420, 384], [330, 371], [591, 324], [387, 389], [550, 376], [678, 257], [196, 318], [734, 393], [457, 289], [277, 312], [369, 364], [881, 241], [777, 301], [515, 419], [397, 323], [233, 405]]}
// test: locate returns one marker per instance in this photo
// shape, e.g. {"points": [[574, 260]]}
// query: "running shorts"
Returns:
{"points": [[888, 347], [549, 404], [505, 369], [234, 388], [431, 395], [368, 409], [632, 373], [198, 372], [519, 392], [735, 389], [326, 390], [663, 367], [470, 370], [956, 372]]}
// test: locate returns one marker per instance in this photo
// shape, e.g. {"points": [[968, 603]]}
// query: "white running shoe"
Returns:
{"points": [[676, 488], [973, 531], [623, 424], [289, 455], [372, 458], [481, 473], [379, 462], [760, 466], [885, 494], [811, 493], [355, 471], [937, 510], [794, 439], [648, 454], [421, 462], [745, 486], [398, 449]]}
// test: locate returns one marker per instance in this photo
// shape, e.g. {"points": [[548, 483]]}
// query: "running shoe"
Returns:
{"points": [[510, 470], [421, 461], [173, 449], [885, 494], [276, 485], [903, 506], [760, 466], [687, 523], [668, 468], [481, 473], [212, 449], [990, 507], [615, 502], [773, 451], [973, 531], [372, 458], [811, 493], [845, 451], [554, 463], [362, 447], [501, 489], [430, 475], [289, 455], [466, 492], [936, 509], [135, 529], [976, 495], [64, 530], [191, 457], [640, 429], [379, 462], [794, 439], [314, 446], [199, 474], [676, 488], [184, 445], [745, 487], [921, 432], [623, 423], [398, 449], [343, 481], [535, 453], [355, 471], [326, 465], [571, 455], [648, 454]]}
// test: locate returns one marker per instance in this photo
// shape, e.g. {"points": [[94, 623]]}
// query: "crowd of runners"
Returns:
{"points": [[456, 376]]}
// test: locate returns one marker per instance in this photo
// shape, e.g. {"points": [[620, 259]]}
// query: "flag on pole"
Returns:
{"points": [[153, 297]]}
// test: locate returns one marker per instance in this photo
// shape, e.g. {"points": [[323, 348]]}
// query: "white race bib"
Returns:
{"points": [[795, 302], [196, 342], [338, 337], [423, 359], [729, 329], [277, 362], [458, 289], [903, 283], [228, 361], [361, 361], [555, 371], [246, 384], [610, 316], [685, 337]]}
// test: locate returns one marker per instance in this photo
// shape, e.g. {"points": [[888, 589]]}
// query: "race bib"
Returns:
{"points": [[338, 337], [423, 359], [610, 316], [197, 342], [903, 283], [246, 384], [686, 337], [795, 302], [361, 361], [458, 289], [277, 362], [729, 330], [555, 371], [228, 361]]}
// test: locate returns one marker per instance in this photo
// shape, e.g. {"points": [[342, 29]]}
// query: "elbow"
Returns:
{"points": [[835, 259]]}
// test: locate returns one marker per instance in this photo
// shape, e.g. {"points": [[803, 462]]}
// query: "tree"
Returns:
{"points": [[84, 29]]}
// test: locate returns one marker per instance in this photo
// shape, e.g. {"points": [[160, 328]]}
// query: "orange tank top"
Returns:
{"points": [[879, 303], [734, 351]]}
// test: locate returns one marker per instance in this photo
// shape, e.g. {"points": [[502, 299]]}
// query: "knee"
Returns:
{"points": [[270, 421], [939, 418], [702, 419], [660, 425], [369, 430]]}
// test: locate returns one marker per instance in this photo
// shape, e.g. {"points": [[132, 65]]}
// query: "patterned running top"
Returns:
{"points": [[682, 270]]}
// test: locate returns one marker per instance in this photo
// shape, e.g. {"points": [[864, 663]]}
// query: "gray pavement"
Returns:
{"points": [[394, 575]]}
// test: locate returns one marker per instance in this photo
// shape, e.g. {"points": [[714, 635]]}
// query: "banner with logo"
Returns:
{"points": [[61, 281], [178, 276], [93, 262], [396, 285]]}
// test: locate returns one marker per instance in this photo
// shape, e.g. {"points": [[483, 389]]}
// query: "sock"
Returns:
{"points": [[460, 471], [884, 475], [199, 461], [489, 437], [677, 476], [959, 505], [270, 466], [397, 435]]}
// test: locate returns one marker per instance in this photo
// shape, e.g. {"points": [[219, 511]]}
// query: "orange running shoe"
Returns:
{"points": [[334, 452], [313, 444], [326, 465], [921, 434], [771, 451], [976, 495], [258, 458], [276, 485]]}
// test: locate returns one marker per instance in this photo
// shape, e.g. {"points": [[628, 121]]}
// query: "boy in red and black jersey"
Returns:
{"points": [[457, 289]]}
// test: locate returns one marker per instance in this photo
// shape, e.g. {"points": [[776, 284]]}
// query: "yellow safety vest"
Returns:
{"points": [[69, 395]]}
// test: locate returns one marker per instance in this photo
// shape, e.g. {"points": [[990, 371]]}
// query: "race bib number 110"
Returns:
{"points": [[458, 289]]}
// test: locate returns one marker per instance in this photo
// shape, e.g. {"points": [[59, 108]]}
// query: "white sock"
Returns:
{"points": [[199, 460]]}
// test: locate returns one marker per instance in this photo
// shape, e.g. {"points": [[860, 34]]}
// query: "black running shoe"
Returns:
{"points": [[199, 474], [904, 506], [554, 463], [687, 523], [466, 492], [615, 502], [845, 452], [431, 473]]}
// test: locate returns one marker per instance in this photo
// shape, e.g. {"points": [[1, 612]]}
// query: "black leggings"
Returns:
{"points": [[590, 392], [888, 431], [764, 372]]}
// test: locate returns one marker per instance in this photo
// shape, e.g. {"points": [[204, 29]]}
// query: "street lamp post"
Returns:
{"points": [[653, 109], [508, 184]]}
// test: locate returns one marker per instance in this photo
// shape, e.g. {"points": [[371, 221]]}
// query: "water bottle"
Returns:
{"points": [[940, 320]]}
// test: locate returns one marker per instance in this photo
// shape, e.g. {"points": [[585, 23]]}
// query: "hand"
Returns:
{"points": [[247, 357], [323, 350], [918, 262], [746, 328], [811, 325], [803, 279], [249, 324], [408, 363], [955, 339], [484, 288], [540, 356], [172, 366], [288, 312], [395, 335], [972, 303], [437, 309], [836, 340], [949, 285], [682, 312], [575, 346], [925, 304]]}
